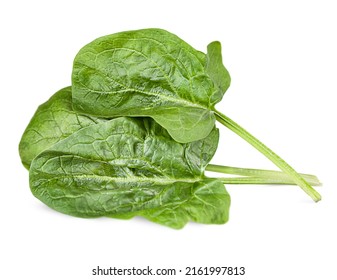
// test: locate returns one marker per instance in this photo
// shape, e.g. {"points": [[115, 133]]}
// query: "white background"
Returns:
{"points": [[283, 63]]}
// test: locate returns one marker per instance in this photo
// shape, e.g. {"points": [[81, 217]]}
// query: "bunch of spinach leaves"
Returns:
{"points": [[134, 134]]}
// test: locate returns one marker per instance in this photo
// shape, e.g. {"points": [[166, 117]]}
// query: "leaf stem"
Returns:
{"points": [[251, 172], [256, 180], [277, 160]]}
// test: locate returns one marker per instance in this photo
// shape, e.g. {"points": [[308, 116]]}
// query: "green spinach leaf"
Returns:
{"points": [[127, 167], [53, 121], [154, 73]]}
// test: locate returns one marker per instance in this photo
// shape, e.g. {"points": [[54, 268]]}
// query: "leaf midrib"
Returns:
{"points": [[131, 179]]}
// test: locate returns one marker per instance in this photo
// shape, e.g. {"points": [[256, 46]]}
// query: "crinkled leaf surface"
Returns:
{"points": [[151, 72], [127, 167], [53, 121]]}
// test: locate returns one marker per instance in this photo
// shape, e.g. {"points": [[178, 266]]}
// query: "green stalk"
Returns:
{"points": [[251, 172], [256, 180], [277, 160]]}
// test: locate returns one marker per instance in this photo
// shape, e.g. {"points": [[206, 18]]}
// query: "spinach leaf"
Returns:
{"points": [[53, 121], [131, 166], [152, 72]]}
